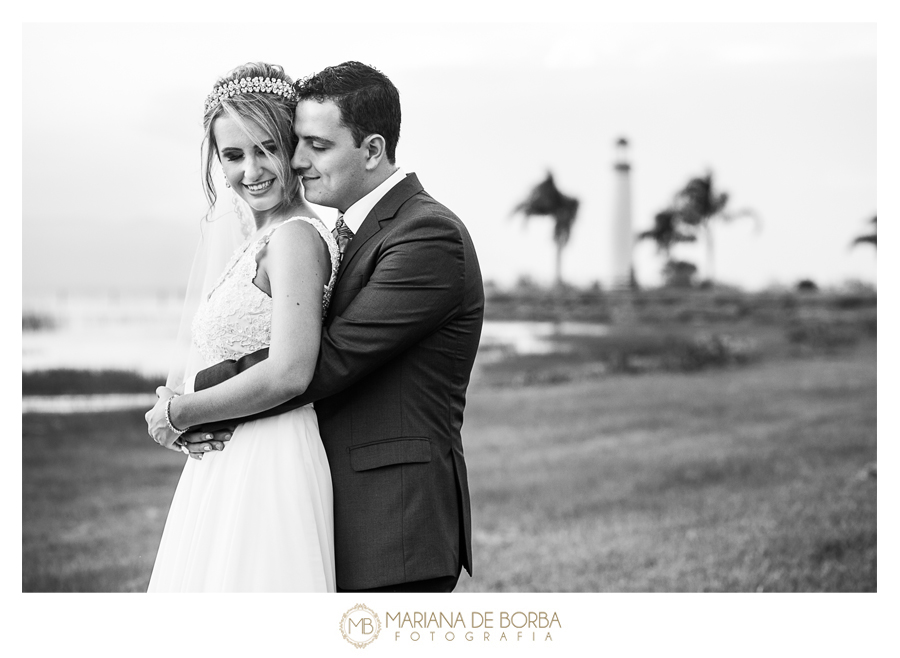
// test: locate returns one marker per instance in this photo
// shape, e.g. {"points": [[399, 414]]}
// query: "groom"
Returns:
{"points": [[397, 348]]}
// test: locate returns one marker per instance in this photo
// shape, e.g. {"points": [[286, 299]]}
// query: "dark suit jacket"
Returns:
{"points": [[389, 388]]}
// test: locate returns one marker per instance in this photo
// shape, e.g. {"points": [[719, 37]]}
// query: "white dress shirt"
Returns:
{"points": [[358, 212]]}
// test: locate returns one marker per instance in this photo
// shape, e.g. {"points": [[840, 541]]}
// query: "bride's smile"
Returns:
{"points": [[257, 188]]}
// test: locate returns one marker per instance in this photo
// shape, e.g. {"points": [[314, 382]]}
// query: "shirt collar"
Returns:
{"points": [[358, 212]]}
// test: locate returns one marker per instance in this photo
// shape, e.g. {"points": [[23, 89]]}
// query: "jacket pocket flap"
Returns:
{"points": [[385, 453]]}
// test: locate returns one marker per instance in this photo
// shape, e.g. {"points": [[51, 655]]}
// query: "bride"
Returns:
{"points": [[258, 516]]}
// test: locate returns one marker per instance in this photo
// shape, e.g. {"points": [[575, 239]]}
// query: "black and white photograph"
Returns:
{"points": [[419, 308]]}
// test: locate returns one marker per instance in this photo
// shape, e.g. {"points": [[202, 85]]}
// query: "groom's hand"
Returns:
{"points": [[199, 443]]}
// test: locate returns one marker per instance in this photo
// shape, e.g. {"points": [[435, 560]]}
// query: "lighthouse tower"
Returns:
{"points": [[623, 237]]}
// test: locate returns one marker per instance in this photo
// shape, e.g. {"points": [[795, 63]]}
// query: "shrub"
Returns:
{"points": [[679, 274], [713, 350], [823, 335]]}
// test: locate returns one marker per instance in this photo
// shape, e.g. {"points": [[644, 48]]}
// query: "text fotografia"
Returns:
{"points": [[478, 626]]}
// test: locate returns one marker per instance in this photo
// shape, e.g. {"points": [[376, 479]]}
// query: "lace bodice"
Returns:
{"points": [[235, 318]]}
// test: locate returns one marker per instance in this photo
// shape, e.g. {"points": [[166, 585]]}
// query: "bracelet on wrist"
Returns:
{"points": [[169, 417]]}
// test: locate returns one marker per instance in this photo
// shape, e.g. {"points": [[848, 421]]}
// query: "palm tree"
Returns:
{"points": [[872, 238], [666, 232], [699, 203], [545, 200]]}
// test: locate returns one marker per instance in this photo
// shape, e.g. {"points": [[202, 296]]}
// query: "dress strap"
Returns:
{"points": [[263, 240], [316, 223]]}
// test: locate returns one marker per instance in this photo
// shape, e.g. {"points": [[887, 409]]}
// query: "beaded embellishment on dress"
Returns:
{"points": [[235, 318]]}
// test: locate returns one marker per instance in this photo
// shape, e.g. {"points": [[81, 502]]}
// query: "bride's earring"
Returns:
{"points": [[227, 184]]}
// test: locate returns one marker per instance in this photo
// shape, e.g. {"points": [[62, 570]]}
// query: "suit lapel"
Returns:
{"points": [[383, 212]]}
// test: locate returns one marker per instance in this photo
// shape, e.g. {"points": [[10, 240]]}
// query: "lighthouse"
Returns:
{"points": [[623, 238]]}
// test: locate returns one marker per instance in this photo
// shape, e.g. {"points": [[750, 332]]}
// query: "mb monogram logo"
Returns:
{"points": [[360, 626]]}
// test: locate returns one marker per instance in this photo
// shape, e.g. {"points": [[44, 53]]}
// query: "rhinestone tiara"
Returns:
{"points": [[248, 85]]}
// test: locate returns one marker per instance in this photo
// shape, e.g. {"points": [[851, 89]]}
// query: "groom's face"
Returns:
{"points": [[330, 164]]}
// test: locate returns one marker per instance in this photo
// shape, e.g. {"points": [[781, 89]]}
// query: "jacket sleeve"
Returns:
{"points": [[416, 287]]}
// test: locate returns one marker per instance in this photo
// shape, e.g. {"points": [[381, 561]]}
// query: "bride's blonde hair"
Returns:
{"points": [[272, 112]]}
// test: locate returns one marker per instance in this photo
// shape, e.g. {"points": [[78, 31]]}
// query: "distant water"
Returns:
{"points": [[137, 333], [73, 404], [98, 332], [503, 338]]}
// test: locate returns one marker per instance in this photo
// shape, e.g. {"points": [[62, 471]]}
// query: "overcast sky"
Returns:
{"points": [[784, 115]]}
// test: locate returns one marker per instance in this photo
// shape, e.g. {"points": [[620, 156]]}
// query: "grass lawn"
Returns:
{"points": [[748, 479]]}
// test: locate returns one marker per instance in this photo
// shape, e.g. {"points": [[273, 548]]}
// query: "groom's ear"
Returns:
{"points": [[375, 150]]}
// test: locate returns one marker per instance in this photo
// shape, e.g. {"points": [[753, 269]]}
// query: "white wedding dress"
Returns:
{"points": [[256, 516]]}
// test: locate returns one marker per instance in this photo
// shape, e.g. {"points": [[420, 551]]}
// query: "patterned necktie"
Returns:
{"points": [[342, 234]]}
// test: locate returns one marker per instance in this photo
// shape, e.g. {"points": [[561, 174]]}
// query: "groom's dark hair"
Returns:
{"points": [[369, 102]]}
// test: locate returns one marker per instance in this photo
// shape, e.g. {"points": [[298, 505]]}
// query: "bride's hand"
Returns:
{"points": [[157, 426]]}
